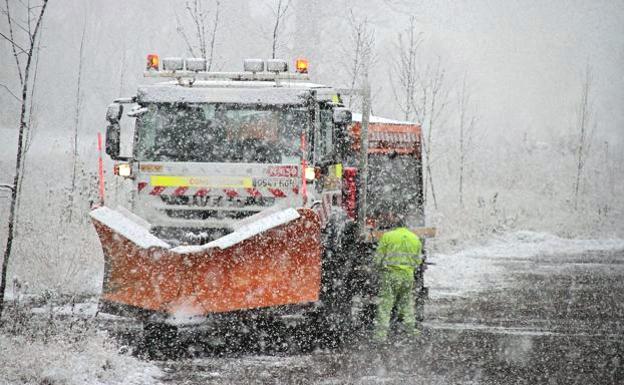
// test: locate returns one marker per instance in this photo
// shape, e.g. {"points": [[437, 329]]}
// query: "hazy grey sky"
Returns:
{"points": [[524, 59]]}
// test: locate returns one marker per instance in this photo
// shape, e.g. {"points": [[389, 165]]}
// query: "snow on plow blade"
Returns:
{"points": [[269, 260]]}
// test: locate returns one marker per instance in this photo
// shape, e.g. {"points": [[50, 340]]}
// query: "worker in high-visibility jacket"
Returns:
{"points": [[398, 255]]}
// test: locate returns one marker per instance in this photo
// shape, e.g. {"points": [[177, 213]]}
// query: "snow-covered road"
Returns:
{"points": [[522, 308]]}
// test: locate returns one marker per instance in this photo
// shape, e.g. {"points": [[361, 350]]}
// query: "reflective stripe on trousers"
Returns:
{"points": [[401, 259]]}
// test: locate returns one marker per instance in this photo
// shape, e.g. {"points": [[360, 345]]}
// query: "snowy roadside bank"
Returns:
{"points": [[62, 360], [478, 265], [44, 343]]}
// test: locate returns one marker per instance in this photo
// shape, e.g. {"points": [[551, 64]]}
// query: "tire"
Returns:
{"points": [[421, 293], [340, 283]]}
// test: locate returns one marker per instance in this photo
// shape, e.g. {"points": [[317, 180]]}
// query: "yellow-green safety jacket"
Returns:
{"points": [[399, 250]]}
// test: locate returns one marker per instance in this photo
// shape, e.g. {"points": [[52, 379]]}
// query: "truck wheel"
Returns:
{"points": [[333, 318], [160, 340], [421, 293], [420, 304]]}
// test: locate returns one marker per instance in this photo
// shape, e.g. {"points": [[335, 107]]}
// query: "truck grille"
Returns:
{"points": [[208, 214], [213, 207]]}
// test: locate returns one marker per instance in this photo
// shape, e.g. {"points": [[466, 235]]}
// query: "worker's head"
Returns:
{"points": [[387, 221]]}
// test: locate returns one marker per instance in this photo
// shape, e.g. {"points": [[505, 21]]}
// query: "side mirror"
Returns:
{"points": [[113, 133], [342, 116], [114, 112]]}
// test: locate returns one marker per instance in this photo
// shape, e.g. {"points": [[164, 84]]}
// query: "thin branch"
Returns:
{"points": [[29, 19], [15, 22], [362, 42], [32, 94], [584, 116], [13, 44], [405, 69], [184, 36], [122, 71], [214, 34], [196, 15], [279, 15], [275, 28], [10, 92]]}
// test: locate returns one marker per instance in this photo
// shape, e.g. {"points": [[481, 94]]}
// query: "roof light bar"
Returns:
{"points": [[173, 64], [259, 76], [277, 65], [253, 65], [254, 69], [195, 64]]}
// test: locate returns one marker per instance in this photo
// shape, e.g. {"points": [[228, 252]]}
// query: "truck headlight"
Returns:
{"points": [[123, 169], [310, 173]]}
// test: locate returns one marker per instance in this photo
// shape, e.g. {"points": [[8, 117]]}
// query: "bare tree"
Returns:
{"points": [[30, 54], [421, 92], [404, 75], [466, 127], [610, 170], [30, 126], [77, 110], [584, 120], [203, 42], [122, 71], [280, 16], [430, 109], [359, 53]]}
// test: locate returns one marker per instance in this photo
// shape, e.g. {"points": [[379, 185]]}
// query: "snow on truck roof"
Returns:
{"points": [[232, 91], [357, 117]]}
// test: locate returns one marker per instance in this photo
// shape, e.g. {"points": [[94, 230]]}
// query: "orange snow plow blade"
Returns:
{"points": [[277, 266]]}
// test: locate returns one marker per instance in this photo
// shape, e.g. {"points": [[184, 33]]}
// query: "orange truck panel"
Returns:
{"points": [[278, 267], [384, 138]]}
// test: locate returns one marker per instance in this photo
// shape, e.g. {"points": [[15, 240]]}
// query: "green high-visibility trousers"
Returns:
{"points": [[396, 287]]}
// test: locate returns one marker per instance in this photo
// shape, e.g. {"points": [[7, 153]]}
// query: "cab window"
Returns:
{"points": [[326, 141]]}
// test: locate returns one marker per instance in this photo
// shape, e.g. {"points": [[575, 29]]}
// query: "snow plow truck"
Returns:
{"points": [[251, 199]]}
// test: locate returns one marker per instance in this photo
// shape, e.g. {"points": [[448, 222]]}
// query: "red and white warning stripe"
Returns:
{"points": [[143, 187]]}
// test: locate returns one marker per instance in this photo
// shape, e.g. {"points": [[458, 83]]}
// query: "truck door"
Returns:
{"points": [[329, 170], [326, 158]]}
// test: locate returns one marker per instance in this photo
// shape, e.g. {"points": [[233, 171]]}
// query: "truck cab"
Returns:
{"points": [[211, 149]]}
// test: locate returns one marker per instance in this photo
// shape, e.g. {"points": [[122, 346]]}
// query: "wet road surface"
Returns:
{"points": [[555, 319]]}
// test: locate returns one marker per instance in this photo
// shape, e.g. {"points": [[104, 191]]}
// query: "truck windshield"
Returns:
{"points": [[235, 133]]}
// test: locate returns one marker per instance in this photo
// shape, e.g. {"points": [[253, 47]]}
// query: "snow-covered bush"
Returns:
{"points": [[52, 348]]}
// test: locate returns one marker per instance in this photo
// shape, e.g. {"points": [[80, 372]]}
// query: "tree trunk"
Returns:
{"points": [[583, 124], [72, 191], [18, 161]]}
